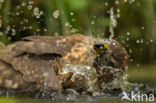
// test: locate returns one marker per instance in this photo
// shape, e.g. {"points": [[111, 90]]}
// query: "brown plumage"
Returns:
{"points": [[35, 62]]}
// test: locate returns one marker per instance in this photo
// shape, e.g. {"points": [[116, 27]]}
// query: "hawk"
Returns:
{"points": [[60, 62]]}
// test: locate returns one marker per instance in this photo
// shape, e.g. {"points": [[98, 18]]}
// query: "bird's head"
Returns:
{"points": [[111, 56]]}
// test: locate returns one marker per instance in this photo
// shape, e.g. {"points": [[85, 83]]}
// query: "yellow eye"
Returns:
{"points": [[105, 46]]}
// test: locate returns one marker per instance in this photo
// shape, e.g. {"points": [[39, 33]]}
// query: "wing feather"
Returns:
{"points": [[46, 44], [24, 56], [35, 69]]}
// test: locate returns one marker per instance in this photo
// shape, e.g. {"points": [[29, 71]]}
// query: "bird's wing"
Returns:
{"points": [[24, 56], [37, 48], [119, 54], [45, 45], [36, 69]]}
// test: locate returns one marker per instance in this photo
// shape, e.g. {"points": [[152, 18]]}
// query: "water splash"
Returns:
{"points": [[37, 12], [129, 1], [113, 23], [71, 13], [56, 14], [87, 72]]}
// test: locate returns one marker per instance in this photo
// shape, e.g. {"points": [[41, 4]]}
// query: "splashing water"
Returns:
{"points": [[37, 12], [113, 23], [85, 71], [130, 1], [56, 14]]}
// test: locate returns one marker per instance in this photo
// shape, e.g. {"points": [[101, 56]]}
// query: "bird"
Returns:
{"points": [[59, 62]]}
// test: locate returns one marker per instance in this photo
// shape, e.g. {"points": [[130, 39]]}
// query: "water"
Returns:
{"points": [[37, 12], [114, 96], [82, 100], [113, 23], [56, 14]]}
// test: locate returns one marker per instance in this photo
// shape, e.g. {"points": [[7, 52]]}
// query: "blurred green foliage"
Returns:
{"points": [[135, 29], [7, 100]]}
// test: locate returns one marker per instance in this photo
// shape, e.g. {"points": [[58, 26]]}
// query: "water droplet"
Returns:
{"points": [[45, 30], [151, 41], [92, 22], [37, 12], [106, 4], [30, 7], [137, 41], [117, 2], [23, 4], [13, 32], [30, 27], [114, 43], [131, 60], [73, 30], [118, 10], [128, 33], [45, 84], [38, 30], [142, 28], [67, 24], [118, 13], [56, 33], [130, 51], [88, 67], [71, 13], [56, 14], [125, 0], [45, 74], [131, 1], [123, 41], [17, 13], [30, 2]]}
